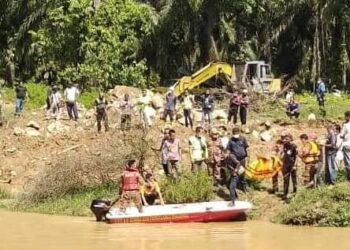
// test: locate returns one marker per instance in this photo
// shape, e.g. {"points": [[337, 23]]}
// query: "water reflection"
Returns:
{"points": [[32, 231]]}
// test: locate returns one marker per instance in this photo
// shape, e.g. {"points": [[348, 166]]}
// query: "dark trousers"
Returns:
{"points": [[291, 115], [166, 168], [125, 122], [233, 112], [243, 115], [232, 186], [72, 110], [188, 118], [102, 116], [170, 113], [289, 173]]}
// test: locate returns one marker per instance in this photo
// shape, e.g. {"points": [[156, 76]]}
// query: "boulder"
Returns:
{"points": [[220, 114], [266, 136], [311, 117], [32, 132], [33, 124], [197, 116], [255, 134], [157, 101], [18, 131], [57, 128]]}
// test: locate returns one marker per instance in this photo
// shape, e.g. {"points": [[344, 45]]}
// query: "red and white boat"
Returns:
{"points": [[214, 211]]}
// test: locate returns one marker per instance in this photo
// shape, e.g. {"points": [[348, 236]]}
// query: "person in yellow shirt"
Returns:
{"points": [[150, 191]]}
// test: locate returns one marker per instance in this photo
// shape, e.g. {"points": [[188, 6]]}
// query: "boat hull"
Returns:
{"points": [[206, 212]]}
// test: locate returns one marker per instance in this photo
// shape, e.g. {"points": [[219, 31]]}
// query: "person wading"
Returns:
{"points": [[310, 156], [289, 168], [235, 102], [101, 112], [126, 107], [198, 150], [187, 105], [238, 146], [130, 187]]}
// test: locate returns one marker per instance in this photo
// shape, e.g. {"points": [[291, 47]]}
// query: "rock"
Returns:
{"points": [[197, 116], [80, 129], [57, 127], [311, 117], [267, 124], [266, 136], [18, 131], [157, 101], [220, 114], [32, 132], [246, 131], [33, 124], [255, 134]]}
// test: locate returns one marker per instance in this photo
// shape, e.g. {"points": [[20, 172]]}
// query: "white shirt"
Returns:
{"points": [[56, 98], [71, 94], [198, 147], [346, 134]]}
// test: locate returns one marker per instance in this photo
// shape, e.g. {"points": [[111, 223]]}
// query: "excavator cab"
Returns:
{"points": [[257, 76]]}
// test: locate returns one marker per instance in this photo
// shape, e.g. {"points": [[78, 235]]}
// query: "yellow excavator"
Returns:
{"points": [[255, 75]]}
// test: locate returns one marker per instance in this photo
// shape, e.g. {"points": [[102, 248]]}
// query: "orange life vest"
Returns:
{"points": [[130, 180]]}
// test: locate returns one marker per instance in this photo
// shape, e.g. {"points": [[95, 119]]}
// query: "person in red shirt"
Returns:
{"points": [[130, 184]]}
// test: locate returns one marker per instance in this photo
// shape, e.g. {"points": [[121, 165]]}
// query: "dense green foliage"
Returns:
{"points": [[188, 188], [138, 42], [321, 207]]}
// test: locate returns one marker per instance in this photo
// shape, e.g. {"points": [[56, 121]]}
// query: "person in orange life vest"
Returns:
{"points": [[130, 187], [310, 156], [215, 151], [150, 191]]}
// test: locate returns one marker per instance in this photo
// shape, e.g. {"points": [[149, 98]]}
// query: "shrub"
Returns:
{"points": [[76, 172], [88, 98], [188, 188], [319, 207], [4, 193]]}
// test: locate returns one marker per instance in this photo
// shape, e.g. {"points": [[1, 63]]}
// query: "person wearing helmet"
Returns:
{"points": [[101, 112]]}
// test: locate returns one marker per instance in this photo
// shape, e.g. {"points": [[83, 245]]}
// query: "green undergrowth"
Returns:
{"points": [[188, 188], [323, 206], [5, 193], [75, 204]]}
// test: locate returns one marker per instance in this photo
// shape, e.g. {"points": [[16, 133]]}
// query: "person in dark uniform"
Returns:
{"points": [[101, 112], [289, 168]]}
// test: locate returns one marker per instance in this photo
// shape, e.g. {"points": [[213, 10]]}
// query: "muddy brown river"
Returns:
{"points": [[42, 232]]}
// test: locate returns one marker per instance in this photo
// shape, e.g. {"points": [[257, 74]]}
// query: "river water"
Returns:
{"points": [[43, 232]]}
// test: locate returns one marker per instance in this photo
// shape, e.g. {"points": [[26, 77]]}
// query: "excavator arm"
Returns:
{"points": [[217, 69]]}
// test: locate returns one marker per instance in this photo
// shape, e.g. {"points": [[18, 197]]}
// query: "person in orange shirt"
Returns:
{"points": [[150, 191]]}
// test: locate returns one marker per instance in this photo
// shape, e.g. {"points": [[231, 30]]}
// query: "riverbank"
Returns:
{"points": [[69, 164]]}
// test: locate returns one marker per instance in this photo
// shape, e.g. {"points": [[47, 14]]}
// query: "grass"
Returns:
{"points": [[76, 204], [5, 193], [318, 207]]}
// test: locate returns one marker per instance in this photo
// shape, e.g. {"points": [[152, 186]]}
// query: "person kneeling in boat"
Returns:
{"points": [[232, 169], [150, 191], [130, 187]]}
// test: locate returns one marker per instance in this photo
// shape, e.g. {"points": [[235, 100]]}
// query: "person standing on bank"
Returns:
{"points": [[331, 151], [309, 154], [170, 107], [198, 150], [55, 102], [71, 95], [238, 146], [101, 112], [289, 168], [345, 135], [187, 105], [21, 95], [243, 108], [235, 102], [207, 107], [126, 107], [320, 94]]}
